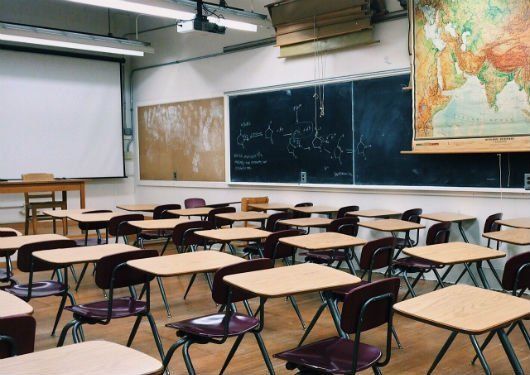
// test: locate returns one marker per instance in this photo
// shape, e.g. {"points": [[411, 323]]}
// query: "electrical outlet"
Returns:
{"points": [[527, 181], [303, 177]]}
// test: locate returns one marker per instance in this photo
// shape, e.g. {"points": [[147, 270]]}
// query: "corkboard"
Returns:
{"points": [[182, 141]]}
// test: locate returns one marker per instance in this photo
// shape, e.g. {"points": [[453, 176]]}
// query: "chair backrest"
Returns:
{"points": [[377, 254], [298, 215], [24, 256], [274, 249], [376, 313], [124, 276], [118, 225], [346, 225], [21, 330], [412, 215], [438, 233], [490, 224], [194, 203], [220, 289], [7, 233], [218, 222], [183, 233], [516, 274], [344, 210], [272, 224], [96, 224], [38, 177], [246, 201], [160, 211]]}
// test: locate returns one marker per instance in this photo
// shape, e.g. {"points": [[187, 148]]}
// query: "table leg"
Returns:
{"points": [[82, 195], [473, 278], [482, 276], [442, 352], [516, 365], [462, 232], [480, 355]]}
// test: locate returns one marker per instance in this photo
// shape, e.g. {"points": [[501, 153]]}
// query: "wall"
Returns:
{"points": [[58, 14], [261, 68]]}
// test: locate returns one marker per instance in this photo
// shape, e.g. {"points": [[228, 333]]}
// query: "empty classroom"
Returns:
{"points": [[264, 187]]}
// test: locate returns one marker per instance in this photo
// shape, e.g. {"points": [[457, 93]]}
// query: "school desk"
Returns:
{"points": [[11, 305], [456, 218], [315, 210], [306, 222], [269, 206], [246, 216], [198, 211], [159, 224], [137, 207], [471, 311], [91, 357], [452, 253], [228, 235], [375, 213], [523, 222], [290, 281], [391, 225], [518, 236]]}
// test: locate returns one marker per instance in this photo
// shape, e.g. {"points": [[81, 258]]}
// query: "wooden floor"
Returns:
{"points": [[282, 331]]}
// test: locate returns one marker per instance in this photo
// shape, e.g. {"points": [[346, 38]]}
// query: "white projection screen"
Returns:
{"points": [[61, 115]]}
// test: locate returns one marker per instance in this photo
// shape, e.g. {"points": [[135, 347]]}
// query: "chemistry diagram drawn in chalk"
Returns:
{"points": [[362, 147], [304, 136]]}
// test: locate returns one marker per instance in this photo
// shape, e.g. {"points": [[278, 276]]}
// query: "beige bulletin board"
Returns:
{"points": [[182, 141]]}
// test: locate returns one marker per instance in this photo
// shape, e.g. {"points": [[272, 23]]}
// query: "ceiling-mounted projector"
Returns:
{"points": [[200, 23]]}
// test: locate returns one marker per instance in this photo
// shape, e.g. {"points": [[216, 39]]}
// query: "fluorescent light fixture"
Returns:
{"points": [[165, 9], [71, 40], [153, 8], [231, 24]]}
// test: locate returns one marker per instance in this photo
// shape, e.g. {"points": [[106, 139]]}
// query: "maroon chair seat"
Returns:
{"points": [[39, 289], [332, 356], [121, 308], [416, 263], [213, 326], [324, 257]]}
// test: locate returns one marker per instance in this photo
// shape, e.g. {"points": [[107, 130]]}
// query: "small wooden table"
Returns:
{"points": [[376, 213], [451, 218], [91, 357], [185, 263], [307, 222], [315, 210], [245, 216], [523, 222], [327, 241], [137, 207], [64, 214], [11, 305], [323, 241], [269, 206], [198, 211], [391, 225], [471, 311], [227, 235], [159, 224], [81, 254], [452, 253], [14, 243], [518, 236], [62, 185], [293, 280]]}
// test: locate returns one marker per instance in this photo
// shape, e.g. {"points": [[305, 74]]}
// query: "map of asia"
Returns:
{"points": [[471, 75]]}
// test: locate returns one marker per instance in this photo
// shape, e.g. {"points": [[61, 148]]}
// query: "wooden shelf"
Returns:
{"points": [[441, 152]]}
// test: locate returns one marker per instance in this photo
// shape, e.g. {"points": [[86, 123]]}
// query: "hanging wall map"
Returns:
{"points": [[471, 75], [182, 141]]}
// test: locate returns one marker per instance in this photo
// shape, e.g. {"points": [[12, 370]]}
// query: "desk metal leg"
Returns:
{"points": [[480, 355], [462, 232], [442, 352], [482, 276], [516, 365], [473, 278]]}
